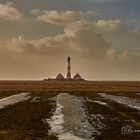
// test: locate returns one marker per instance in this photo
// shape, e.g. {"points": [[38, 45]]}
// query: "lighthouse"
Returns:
{"points": [[69, 69], [76, 77]]}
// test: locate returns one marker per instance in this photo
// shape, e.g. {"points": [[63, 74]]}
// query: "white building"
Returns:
{"points": [[60, 77], [77, 77]]}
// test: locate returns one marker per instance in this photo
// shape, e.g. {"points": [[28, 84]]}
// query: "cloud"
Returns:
{"points": [[109, 25], [8, 12], [112, 0], [91, 51], [35, 11], [80, 38], [59, 18], [68, 17], [136, 30], [113, 55], [65, 17], [94, 13], [89, 41]]}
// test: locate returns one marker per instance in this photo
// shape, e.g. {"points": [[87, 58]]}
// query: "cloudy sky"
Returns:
{"points": [[101, 36]]}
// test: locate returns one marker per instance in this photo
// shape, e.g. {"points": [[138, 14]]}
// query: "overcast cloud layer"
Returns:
{"points": [[97, 42]]}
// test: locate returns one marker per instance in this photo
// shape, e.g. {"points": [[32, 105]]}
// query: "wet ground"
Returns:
{"points": [[64, 116]]}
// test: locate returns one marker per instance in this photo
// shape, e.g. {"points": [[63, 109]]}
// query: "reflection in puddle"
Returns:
{"points": [[69, 121]]}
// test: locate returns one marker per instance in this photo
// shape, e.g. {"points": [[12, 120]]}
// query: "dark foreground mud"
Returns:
{"points": [[24, 120], [75, 116], [112, 118]]}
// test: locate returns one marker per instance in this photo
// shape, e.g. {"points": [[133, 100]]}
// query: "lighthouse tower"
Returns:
{"points": [[68, 69]]}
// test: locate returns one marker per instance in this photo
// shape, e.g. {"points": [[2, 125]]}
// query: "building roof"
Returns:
{"points": [[60, 76], [77, 77]]}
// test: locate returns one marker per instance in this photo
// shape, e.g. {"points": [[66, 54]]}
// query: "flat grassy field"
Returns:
{"points": [[71, 86]]}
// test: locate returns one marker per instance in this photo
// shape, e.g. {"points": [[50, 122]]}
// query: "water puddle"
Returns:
{"points": [[132, 103], [95, 101], [35, 99], [137, 93], [13, 99], [69, 121]]}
